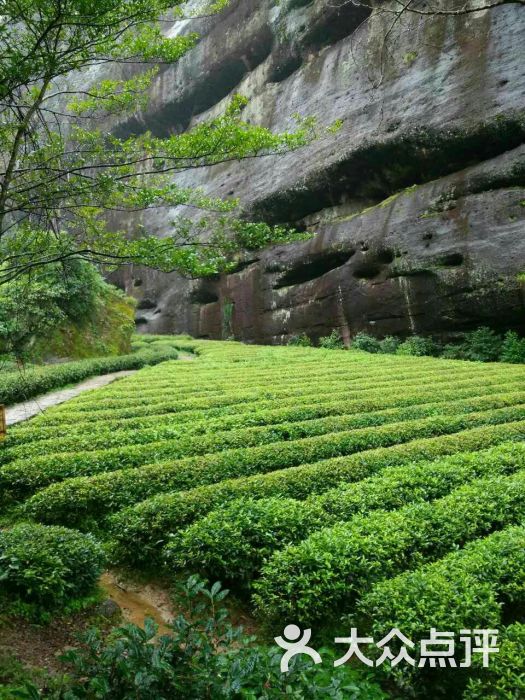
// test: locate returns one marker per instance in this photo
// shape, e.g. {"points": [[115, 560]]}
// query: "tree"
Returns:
{"points": [[438, 7], [43, 312], [63, 171]]}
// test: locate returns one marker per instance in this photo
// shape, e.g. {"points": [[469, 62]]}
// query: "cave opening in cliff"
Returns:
{"points": [[313, 268]]}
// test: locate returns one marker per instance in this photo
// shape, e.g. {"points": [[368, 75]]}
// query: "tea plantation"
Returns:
{"points": [[326, 488]]}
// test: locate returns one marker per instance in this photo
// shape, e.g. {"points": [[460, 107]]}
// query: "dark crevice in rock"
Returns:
{"points": [[242, 265], [146, 304], [422, 274], [202, 297], [198, 93], [329, 26], [376, 171], [367, 270], [451, 260], [384, 257], [335, 24], [285, 65], [315, 267]]}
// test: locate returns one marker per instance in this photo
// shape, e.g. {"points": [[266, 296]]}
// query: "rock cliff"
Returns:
{"points": [[418, 201]]}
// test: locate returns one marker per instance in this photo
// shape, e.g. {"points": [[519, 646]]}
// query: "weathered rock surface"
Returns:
{"points": [[417, 200]]}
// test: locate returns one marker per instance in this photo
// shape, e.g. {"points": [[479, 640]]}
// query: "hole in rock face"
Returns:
{"points": [[367, 270], [384, 257], [146, 304], [242, 265], [137, 283], [452, 260], [284, 67], [313, 268], [203, 296]]}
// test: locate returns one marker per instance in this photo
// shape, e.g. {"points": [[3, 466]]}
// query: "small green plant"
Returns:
{"points": [[333, 341], [453, 351], [43, 569], [505, 676], [363, 341], [300, 341], [417, 346], [389, 344], [513, 348], [204, 656], [483, 345]]}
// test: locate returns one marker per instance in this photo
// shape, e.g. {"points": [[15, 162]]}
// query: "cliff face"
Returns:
{"points": [[418, 200]]}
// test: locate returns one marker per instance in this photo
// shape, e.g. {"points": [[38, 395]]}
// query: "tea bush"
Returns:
{"points": [[363, 341], [324, 575], [43, 569], [333, 341]]}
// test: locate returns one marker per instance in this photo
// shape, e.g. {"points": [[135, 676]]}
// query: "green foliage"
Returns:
{"points": [[333, 341], [389, 345], [80, 497], [300, 341], [62, 174], [417, 346], [513, 348], [44, 568], [235, 540], [148, 522], [504, 679], [203, 656], [482, 345], [64, 309], [325, 574], [472, 588], [363, 341], [314, 478], [21, 385]]}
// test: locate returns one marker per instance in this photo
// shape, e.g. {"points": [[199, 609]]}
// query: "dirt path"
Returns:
{"points": [[138, 601], [27, 409]]}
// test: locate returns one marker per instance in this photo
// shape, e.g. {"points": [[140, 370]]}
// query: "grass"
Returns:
{"points": [[310, 480]]}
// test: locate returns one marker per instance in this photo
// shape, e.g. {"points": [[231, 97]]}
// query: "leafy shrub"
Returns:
{"points": [[325, 574], [363, 341], [300, 341], [78, 498], [305, 387], [44, 568], [20, 386], [139, 532], [55, 460], [470, 588], [389, 345], [513, 348], [454, 351], [65, 309], [204, 656], [417, 346], [235, 540], [333, 341], [482, 345], [504, 679]]}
